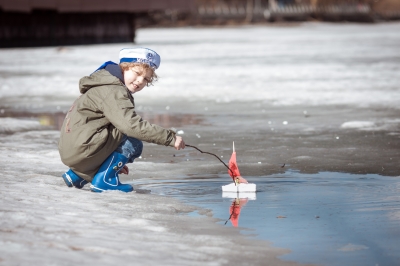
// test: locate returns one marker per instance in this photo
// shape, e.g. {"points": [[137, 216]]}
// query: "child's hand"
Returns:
{"points": [[124, 170], [179, 143]]}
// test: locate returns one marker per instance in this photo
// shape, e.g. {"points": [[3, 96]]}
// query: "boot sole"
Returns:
{"points": [[96, 189], [67, 180], [99, 190]]}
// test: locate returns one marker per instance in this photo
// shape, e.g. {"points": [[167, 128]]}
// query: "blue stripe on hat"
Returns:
{"points": [[128, 60], [137, 60]]}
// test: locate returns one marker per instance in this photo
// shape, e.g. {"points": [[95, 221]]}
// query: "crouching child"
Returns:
{"points": [[101, 132]]}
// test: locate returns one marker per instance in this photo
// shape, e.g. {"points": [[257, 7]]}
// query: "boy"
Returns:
{"points": [[101, 132]]}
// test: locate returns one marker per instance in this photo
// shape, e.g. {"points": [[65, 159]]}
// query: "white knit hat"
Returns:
{"points": [[140, 55]]}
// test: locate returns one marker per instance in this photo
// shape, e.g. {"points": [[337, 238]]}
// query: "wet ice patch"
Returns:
{"points": [[384, 125], [358, 124], [352, 247], [303, 158], [13, 125]]}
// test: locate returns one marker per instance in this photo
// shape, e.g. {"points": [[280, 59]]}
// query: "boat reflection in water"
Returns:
{"points": [[239, 201]]}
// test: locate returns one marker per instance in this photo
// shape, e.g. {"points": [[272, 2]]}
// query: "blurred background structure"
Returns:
{"points": [[67, 22], [253, 11]]}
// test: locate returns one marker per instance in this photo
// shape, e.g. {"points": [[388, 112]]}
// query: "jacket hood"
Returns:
{"points": [[99, 78]]}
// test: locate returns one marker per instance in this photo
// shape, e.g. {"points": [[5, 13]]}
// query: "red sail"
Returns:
{"points": [[233, 166]]}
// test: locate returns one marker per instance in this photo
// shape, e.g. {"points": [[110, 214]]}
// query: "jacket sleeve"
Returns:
{"points": [[120, 111]]}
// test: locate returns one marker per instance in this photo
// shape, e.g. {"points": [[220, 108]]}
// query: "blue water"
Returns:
{"points": [[325, 218]]}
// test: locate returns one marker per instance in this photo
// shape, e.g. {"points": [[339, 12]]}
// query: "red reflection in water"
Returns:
{"points": [[234, 210]]}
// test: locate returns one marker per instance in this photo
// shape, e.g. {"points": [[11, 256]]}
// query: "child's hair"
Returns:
{"points": [[125, 66]]}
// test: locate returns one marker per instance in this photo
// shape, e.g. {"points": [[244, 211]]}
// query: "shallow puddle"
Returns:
{"points": [[325, 218]]}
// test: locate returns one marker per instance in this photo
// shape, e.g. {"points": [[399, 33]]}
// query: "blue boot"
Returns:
{"points": [[73, 180], [107, 176]]}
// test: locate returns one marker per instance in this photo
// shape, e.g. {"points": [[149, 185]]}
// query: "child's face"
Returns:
{"points": [[136, 78]]}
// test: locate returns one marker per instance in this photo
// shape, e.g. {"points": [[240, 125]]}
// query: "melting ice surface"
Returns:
{"points": [[312, 63], [325, 218]]}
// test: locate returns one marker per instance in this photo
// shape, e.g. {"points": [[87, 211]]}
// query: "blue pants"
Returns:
{"points": [[131, 148]]}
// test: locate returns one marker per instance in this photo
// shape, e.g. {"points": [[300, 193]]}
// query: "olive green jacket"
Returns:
{"points": [[97, 121]]}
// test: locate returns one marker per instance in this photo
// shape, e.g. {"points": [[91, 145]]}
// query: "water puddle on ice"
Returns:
{"points": [[56, 119], [325, 218]]}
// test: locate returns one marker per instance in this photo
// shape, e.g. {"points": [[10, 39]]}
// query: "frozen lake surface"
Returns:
{"points": [[309, 63], [321, 98]]}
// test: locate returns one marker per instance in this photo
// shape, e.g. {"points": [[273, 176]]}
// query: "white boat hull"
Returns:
{"points": [[241, 195], [241, 187]]}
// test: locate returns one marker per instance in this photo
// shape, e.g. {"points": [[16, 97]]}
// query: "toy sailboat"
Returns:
{"points": [[234, 172]]}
